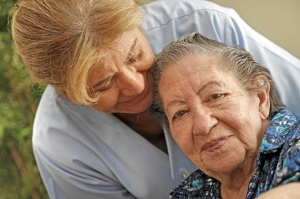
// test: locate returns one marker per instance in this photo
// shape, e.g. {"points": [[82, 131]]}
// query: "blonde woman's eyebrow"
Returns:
{"points": [[102, 82], [129, 54]]}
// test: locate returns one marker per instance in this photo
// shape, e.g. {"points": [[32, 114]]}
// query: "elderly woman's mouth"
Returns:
{"points": [[215, 144]]}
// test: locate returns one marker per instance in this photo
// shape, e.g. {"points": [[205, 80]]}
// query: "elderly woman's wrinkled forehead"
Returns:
{"points": [[195, 67], [233, 59]]}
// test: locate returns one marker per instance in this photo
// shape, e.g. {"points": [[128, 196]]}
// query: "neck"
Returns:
{"points": [[145, 125], [236, 184]]}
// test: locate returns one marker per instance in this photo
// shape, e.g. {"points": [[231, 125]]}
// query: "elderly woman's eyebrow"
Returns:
{"points": [[173, 102], [208, 85]]}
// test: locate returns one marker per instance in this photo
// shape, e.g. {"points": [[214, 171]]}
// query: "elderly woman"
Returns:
{"points": [[220, 107]]}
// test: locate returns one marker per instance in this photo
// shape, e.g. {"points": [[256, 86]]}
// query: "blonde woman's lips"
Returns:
{"points": [[215, 144]]}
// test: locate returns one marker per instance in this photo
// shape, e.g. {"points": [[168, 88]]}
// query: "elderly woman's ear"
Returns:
{"points": [[263, 93]]}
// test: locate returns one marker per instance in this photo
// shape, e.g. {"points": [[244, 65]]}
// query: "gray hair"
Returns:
{"points": [[234, 59]]}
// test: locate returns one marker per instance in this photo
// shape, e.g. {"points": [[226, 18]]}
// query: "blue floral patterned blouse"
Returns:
{"points": [[278, 163]]}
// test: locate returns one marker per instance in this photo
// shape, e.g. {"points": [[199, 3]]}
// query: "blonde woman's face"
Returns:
{"points": [[124, 80]]}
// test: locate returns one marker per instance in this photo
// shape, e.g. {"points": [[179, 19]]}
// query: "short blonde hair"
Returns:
{"points": [[60, 40]]}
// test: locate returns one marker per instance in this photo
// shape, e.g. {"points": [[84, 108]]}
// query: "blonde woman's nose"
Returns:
{"points": [[131, 83]]}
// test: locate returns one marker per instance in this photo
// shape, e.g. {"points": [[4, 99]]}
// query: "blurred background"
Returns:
{"points": [[19, 178], [278, 20]]}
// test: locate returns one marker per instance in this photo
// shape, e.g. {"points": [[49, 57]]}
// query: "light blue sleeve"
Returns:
{"points": [[65, 151], [168, 20], [85, 154]]}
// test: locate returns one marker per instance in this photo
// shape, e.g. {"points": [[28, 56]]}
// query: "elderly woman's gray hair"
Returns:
{"points": [[235, 59]]}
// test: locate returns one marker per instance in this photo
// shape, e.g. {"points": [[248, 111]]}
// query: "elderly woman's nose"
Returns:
{"points": [[131, 82], [203, 121]]}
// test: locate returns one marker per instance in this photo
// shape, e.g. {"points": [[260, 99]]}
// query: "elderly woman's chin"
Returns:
{"points": [[232, 155]]}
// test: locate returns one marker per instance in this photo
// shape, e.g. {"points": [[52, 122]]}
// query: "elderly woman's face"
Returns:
{"points": [[212, 118]]}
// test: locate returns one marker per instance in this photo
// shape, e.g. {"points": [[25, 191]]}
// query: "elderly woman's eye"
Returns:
{"points": [[216, 96], [179, 114]]}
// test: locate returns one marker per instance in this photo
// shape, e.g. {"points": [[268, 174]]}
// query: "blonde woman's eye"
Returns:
{"points": [[107, 85], [131, 60], [134, 58]]}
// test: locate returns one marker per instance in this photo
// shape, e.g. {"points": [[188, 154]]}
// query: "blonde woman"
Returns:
{"points": [[93, 136]]}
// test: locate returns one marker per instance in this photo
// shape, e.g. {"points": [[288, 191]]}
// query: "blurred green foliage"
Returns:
{"points": [[19, 176]]}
